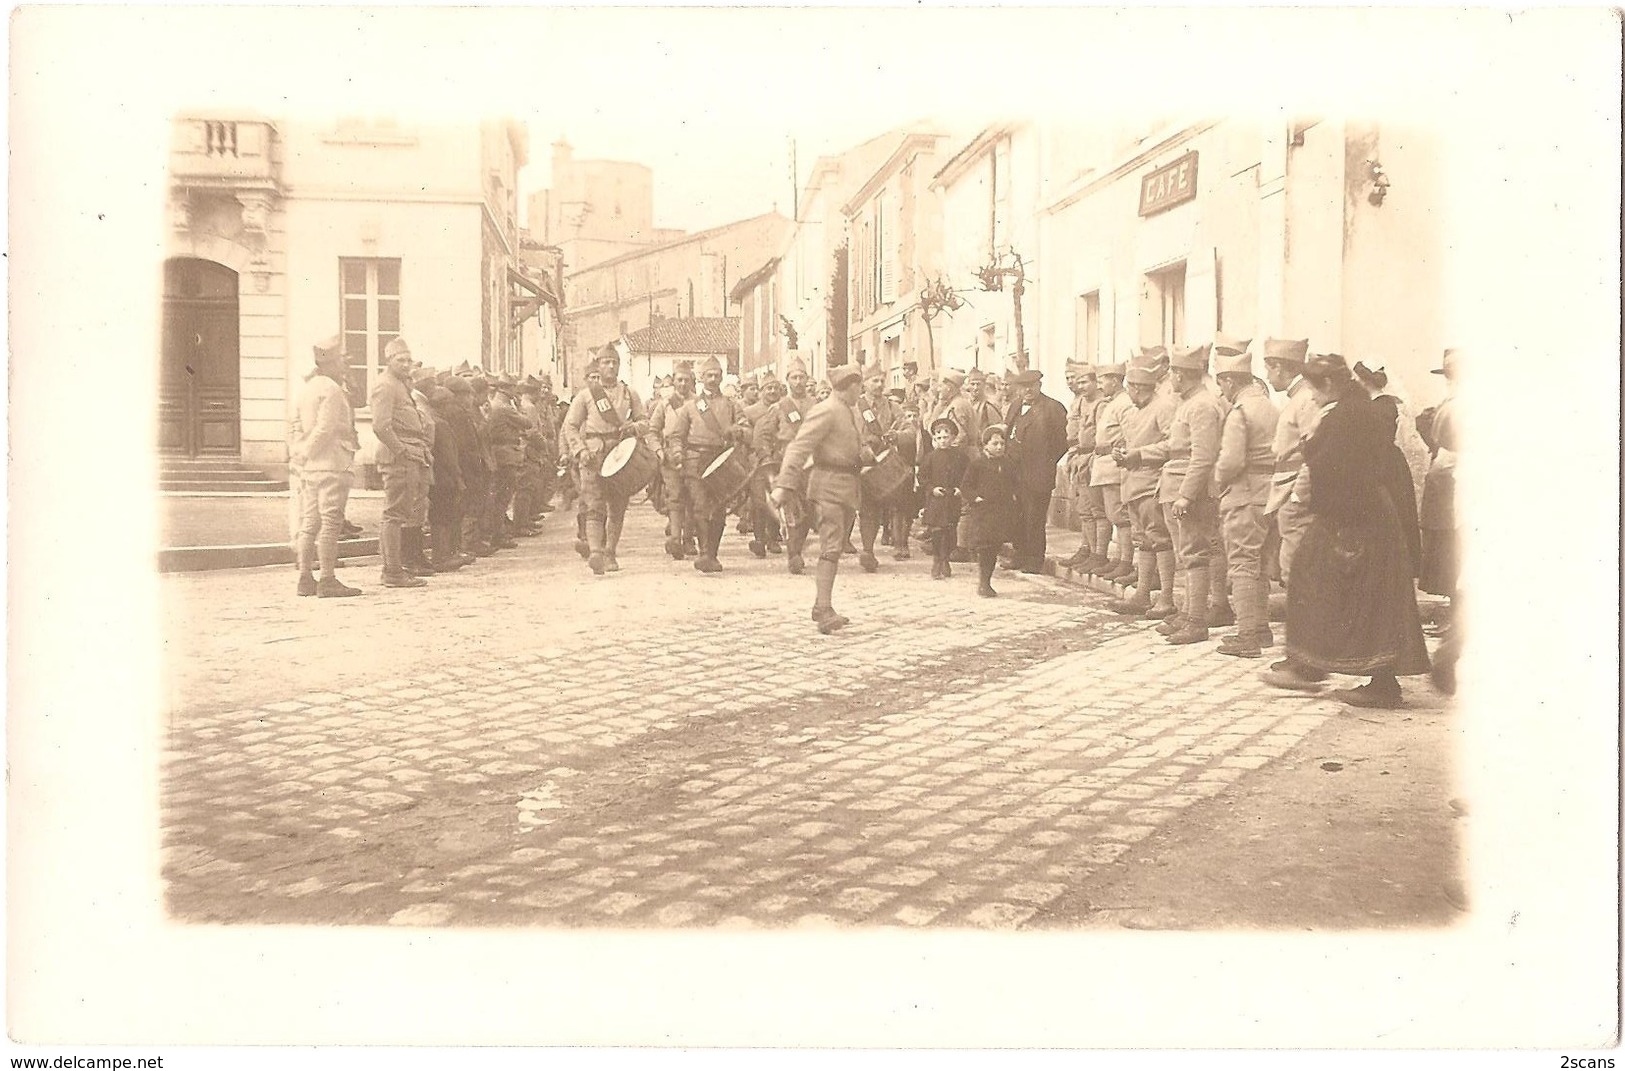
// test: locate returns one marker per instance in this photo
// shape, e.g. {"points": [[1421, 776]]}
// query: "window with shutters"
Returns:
{"points": [[1167, 301], [1088, 343], [885, 208], [369, 318]]}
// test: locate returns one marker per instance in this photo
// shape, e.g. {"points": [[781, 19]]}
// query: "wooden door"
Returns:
{"points": [[199, 402]]}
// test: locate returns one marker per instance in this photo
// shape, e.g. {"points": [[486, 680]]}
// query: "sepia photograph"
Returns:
{"points": [[799, 526]]}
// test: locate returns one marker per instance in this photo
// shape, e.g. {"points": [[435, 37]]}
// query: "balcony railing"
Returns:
{"points": [[223, 151]]}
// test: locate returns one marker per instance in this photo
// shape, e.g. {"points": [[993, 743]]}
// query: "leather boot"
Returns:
{"points": [[412, 552], [985, 560], [612, 541], [823, 600], [1261, 613], [395, 574], [1220, 608], [1243, 643], [903, 554], [595, 545], [1139, 603], [583, 548], [1163, 605], [440, 542], [1197, 580]]}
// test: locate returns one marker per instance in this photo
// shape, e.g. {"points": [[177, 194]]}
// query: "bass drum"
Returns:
{"points": [[628, 468], [888, 477], [727, 477]]}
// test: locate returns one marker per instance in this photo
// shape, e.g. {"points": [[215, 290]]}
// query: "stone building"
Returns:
{"points": [[285, 233]]}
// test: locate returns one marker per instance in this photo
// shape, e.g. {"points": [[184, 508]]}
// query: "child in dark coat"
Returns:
{"points": [[940, 474], [989, 491]]}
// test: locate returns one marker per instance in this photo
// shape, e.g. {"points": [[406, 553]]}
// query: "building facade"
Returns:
{"points": [[690, 277], [1325, 229], [656, 349], [990, 190], [595, 209], [285, 233], [894, 242]]}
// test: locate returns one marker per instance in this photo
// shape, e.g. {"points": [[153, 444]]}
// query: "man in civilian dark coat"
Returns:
{"points": [[1037, 426]]}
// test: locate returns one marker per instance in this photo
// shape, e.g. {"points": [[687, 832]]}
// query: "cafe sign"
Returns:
{"points": [[1169, 185]]}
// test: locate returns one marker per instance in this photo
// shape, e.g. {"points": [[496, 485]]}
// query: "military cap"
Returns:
{"points": [[1079, 368], [1150, 354], [1448, 366], [709, 365], [328, 347], [870, 371], [396, 346], [1191, 359], [1142, 373], [842, 375], [608, 352], [684, 366], [423, 377], [464, 369], [1228, 346], [794, 365], [1289, 351], [460, 385], [1117, 370], [1239, 364], [954, 376]]}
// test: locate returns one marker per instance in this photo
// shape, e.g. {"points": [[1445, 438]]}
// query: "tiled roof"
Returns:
{"points": [[697, 236], [696, 334]]}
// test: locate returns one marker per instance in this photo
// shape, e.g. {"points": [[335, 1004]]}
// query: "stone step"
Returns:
{"points": [[261, 484], [180, 475]]}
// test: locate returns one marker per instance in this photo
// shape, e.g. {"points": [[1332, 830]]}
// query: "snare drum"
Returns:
{"points": [[887, 477], [628, 468], [728, 476]]}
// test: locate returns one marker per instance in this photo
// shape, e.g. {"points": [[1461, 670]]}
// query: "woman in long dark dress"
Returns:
{"points": [[1351, 606]]}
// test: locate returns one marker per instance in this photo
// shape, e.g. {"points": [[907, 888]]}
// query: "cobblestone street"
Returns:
{"points": [[945, 761]]}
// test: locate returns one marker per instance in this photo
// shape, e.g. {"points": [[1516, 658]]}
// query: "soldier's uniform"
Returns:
{"points": [[599, 418], [1106, 478], [772, 434], [1141, 428], [1300, 414], [403, 459], [1243, 470], [706, 425], [1188, 454], [1087, 506], [822, 464], [505, 429], [764, 527], [877, 417], [680, 532]]}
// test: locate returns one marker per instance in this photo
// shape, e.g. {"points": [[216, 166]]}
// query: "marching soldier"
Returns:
{"points": [[601, 415], [764, 527], [1106, 477], [877, 417], [820, 468], [773, 433], [1145, 426], [1186, 489], [662, 429], [706, 425], [1245, 465]]}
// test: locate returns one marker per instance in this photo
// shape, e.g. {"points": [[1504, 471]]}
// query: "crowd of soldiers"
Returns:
{"points": [[1173, 463]]}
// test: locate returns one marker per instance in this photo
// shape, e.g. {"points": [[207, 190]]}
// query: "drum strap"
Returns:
{"points": [[606, 408], [706, 407]]}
